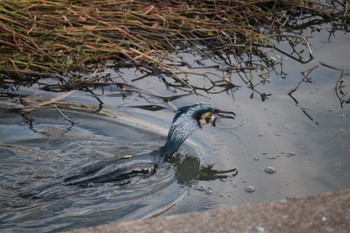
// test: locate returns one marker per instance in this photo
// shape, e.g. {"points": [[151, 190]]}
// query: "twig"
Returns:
{"points": [[311, 56], [304, 79], [63, 115], [338, 90]]}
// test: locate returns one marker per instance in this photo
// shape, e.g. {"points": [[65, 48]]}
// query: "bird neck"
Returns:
{"points": [[179, 131]]}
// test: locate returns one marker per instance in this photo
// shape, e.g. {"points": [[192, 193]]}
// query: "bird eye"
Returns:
{"points": [[205, 118]]}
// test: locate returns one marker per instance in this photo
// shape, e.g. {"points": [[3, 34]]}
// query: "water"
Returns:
{"points": [[41, 155], [306, 142], [310, 155]]}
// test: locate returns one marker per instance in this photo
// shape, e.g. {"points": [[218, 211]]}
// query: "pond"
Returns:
{"points": [[285, 146]]}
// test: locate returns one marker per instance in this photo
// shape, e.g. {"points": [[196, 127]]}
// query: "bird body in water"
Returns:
{"points": [[186, 121]]}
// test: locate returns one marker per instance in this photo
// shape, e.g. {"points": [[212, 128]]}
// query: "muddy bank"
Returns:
{"points": [[328, 212]]}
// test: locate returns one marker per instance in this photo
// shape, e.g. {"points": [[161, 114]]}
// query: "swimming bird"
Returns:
{"points": [[187, 120]]}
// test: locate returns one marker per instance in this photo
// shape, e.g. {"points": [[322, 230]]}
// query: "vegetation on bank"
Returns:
{"points": [[76, 41]]}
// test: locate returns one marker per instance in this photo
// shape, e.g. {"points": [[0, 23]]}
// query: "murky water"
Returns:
{"points": [[281, 149], [41, 155]]}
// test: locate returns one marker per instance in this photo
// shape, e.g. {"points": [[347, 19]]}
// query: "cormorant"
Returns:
{"points": [[186, 121]]}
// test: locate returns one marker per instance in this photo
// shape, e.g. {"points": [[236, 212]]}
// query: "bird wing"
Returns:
{"points": [[114, 170]]}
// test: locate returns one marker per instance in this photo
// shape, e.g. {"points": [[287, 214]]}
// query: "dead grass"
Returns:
{"points": [[68, 40]]}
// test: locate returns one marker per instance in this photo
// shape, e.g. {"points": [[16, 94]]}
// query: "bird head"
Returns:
{"points": [[189, 119], [201, 114]]}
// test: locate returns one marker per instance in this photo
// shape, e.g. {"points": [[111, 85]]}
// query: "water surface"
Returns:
{"points": [[282, 147]]}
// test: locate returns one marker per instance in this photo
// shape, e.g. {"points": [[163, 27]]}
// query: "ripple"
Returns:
{"points": [[293, 128], [37, 161], [240, 120]]}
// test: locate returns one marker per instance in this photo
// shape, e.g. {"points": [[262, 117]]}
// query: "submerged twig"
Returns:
{"points": [[311, 56], [339, 86], [64, 116], [31, 104], [304, 79]]}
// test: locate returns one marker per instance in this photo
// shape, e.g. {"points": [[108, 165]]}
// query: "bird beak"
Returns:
{"points": [[221, 114]]}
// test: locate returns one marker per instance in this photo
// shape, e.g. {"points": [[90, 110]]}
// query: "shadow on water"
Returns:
{"points": [[34, 159]]}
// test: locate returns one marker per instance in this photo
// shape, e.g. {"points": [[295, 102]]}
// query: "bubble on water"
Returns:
{"points": [[200, 188], [277, 134], [250, 189], [291, 154], [272, 157], [223, 179], [270, 170], [209, 191], [256, 159]]}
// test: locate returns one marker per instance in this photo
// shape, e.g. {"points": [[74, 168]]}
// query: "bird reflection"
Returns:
{"points": [[189, 170]]}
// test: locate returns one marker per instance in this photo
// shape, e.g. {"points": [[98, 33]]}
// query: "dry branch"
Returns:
{"points": [[63, 38]]}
